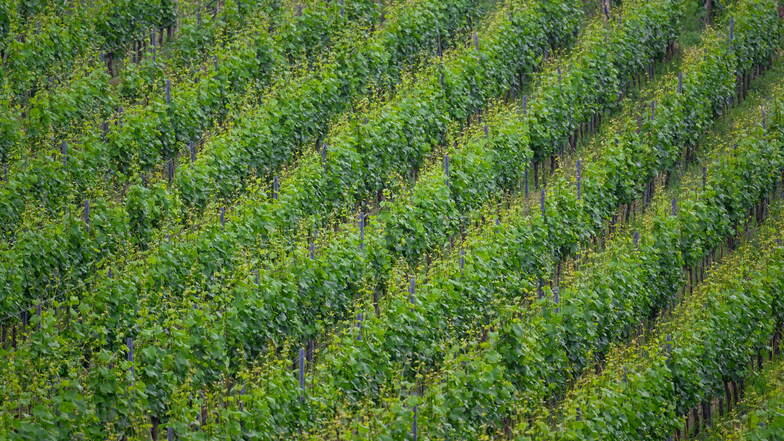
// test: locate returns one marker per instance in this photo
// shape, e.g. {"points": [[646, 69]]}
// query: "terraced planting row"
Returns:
{"points": [[56, 42], [759, 414], [389, 220], [89, 93], [528, 351], [704, 350], [41, 252], [471, 49], [144, 134]]}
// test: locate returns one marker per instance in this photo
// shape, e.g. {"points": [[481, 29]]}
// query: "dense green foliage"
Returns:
{"points": [[61, 39], [532, 356], [283, 219], [709, 341], [165, 360], [324, 289], [147, 133], [760, 415], [68, 247], [89, 93]]}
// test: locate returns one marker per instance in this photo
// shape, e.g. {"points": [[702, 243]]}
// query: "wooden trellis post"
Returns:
{"points": [[361, 231], [192, 150], [301, 367], [86, 213], [129, 344], [64, 152], [539, 290], [668, 346], [360, 318], [704, 177], [170, 170], [414, 430], [732, 28], [439, 47]]}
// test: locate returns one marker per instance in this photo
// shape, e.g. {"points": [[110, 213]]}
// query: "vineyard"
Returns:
{"points": [[391, 220]]}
